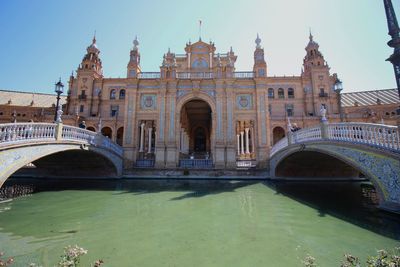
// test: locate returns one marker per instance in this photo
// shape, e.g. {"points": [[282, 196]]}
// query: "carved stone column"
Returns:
{"points": [[238, 144], [149, 148], [242, 142], [141, 137], [247, 140]]}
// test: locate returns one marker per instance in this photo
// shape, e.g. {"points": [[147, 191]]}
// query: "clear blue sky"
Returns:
{"points": [[43, 40]]}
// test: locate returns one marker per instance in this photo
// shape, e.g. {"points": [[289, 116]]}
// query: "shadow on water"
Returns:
{"points": [[191, 188], [354, 202], [349, 201]]}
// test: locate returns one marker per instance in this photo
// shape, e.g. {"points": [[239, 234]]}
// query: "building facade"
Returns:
{"points": [[25, 106], [197, 106]]}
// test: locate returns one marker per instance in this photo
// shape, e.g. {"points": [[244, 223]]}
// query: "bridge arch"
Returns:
{"points": [[381, 169], [13, 159]]}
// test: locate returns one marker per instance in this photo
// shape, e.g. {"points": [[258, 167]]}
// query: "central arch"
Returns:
{"points": [[196, 124]]}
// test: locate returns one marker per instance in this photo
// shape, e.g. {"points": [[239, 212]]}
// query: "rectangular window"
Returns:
{"points": [[81, 108], [289, 110], [114, 111]]}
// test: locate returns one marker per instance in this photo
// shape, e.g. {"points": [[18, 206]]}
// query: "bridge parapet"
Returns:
{"points": [[377, 135], [30, 133]]}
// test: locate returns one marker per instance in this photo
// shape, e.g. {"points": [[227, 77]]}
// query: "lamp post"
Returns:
{"points": [[338, 87], [59, 89], [394, 32]]}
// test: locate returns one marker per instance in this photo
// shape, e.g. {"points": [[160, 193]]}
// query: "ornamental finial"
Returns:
{"points": [[135, 43], [258, 41]]}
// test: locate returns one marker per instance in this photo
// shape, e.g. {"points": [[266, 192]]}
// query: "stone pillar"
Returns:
{"points": [[241, 143], [247, 140], [141, 137], [252, 139], [150, 131], [238, 144], [324, 130]]}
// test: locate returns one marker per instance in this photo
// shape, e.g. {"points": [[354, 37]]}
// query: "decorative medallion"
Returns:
{"points": [[148, 102], [244, 101]]}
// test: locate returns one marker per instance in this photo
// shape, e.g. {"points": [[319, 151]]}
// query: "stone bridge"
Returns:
{"points": [[57, 150], [343, 150]]}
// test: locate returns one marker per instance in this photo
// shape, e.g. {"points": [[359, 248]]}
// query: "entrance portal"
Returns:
{"points": [[195, 123]]}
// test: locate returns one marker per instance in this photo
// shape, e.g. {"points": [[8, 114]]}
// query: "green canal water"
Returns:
{"points": [[204, 223]]}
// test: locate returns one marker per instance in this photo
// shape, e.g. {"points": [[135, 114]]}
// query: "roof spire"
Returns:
{"points": [[311, 36], [94, 37]]}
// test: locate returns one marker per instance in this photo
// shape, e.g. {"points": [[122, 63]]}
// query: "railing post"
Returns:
{"points": [[58, 133], [324, 129], [290, 137]]}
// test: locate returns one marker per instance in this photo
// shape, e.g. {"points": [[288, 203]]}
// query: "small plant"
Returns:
{"points": [[350, 261], [71, 256], [5, 262], [309, 261], [385, 259]]}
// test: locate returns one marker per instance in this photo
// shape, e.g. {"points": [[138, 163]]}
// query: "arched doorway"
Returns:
{"points": [[106, 131], [120, 136], [277, 134], [195, 129], [90, 128]]}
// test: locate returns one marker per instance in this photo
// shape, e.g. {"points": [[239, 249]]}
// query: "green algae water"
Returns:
{"points": [[194, 223]]}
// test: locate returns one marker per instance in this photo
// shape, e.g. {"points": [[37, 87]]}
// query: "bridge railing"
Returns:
{"points": [[26, 132], [372, 134], [309, 134], [17, 133], [377, 135]]}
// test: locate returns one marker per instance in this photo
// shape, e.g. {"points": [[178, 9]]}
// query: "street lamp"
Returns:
{"points": [[338, 87], [59, 89]]}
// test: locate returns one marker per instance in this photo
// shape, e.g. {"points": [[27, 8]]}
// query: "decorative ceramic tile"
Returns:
{"points": [[244, 101], [148, 102]]}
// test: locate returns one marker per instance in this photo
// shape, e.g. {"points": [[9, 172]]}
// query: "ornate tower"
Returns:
{"points": [[134, 61], [394, 31], [317, 81], [91, 62], [86, 90], [260, 67]]}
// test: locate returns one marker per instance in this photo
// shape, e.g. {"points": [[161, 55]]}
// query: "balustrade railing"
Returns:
{"points": [[309, 134], [372, 134], [279, 145], [21, 132], [195, 75], [149, 75], [377, 135], [17, 133], [243, 74]]}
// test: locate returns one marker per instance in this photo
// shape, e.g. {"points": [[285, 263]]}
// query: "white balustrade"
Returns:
{"points": [[26, 132], [243, 74], [149, 75], [309, 134], [377, 135], [195, 75], [30, 133], [280, 145]]}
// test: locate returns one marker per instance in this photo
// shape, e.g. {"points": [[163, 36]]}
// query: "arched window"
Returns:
{"points": [[281, 93], [271, 93], [290, 93], [112, 94], [122, 94]]}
